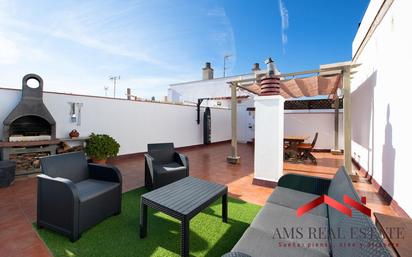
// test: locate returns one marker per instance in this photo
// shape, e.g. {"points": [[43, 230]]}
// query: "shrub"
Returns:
{"points": [[101, 146]]}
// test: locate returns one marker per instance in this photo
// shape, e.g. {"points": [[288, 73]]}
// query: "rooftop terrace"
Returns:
{"points": [[18, 202]]}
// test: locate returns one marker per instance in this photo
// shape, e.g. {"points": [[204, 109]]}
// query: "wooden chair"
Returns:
{"points": [[305, 150]]}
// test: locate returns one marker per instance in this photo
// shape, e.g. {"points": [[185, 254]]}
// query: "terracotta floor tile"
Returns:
{"points": [[37, 250]]}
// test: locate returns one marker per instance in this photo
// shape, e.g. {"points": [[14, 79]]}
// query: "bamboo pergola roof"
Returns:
{"points": [[309, 86]]}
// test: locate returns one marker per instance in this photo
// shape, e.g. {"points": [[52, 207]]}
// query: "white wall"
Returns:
{"points": [[133, 124], [193, 90], [297, 123], [245, 119], [308, 122], [381, 97]]}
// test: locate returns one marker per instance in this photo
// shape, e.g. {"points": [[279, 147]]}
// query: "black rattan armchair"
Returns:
{"points": [[73, 195], [163, 165]]}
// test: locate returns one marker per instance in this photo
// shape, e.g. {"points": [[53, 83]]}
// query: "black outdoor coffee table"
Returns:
{"points": [[182, 200]]}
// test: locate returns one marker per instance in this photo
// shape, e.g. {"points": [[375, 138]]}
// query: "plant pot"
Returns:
{"points": [[74, 134], [97, 161]]}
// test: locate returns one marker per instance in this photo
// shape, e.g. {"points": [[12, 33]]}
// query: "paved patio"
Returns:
{"points": [[18, 202]]}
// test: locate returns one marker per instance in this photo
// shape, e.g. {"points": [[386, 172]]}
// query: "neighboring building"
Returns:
{"points": [[208, 87], [219, 89]]}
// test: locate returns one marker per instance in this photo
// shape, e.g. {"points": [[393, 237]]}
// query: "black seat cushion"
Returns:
{"points": [[169, 172], [91, 188], [169, 167]]}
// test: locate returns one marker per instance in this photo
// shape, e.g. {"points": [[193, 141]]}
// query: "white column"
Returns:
{"points": [[269, 125], [347, 102], [233, 158]]}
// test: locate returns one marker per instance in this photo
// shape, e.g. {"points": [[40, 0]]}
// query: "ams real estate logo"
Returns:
{"points": [[336, 205]]}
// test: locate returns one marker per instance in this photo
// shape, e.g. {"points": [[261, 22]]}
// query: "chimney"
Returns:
{"points": [[270, 67], [129, 94], [255, 67], [270, 83], [207, 72]]}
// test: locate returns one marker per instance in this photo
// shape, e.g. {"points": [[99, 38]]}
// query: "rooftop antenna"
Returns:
{"points": [[225, 58], [105, 90], [114, 78]]}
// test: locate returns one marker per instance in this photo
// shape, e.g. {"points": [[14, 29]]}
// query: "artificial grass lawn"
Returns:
{"points": [[119, 235]]}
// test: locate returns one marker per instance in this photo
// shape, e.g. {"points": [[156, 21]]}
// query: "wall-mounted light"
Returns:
{"points": [[79, 113], [75, 112], [73, 117]]}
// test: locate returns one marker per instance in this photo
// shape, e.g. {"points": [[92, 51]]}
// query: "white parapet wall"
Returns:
{"points": [[297, 123], [381, 99], [133, 124], [269, 137], [308, 122]]}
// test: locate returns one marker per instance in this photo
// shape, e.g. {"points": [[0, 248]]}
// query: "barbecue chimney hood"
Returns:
{"points": [[30, 117]]}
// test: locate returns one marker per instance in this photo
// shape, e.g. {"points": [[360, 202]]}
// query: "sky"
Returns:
{"points": [[76, 46]]}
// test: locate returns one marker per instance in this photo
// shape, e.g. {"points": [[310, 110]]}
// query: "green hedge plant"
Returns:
{"points": [[101, 147]]}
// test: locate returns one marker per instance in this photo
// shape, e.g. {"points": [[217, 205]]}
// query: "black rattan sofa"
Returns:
{"points": [[163, 165], [73, 195], [323, 231]]}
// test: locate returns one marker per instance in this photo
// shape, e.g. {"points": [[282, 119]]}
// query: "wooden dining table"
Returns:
{"points": [[299, 139], [291, 152]]}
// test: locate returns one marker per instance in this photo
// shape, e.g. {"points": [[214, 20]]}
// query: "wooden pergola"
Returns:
{"points": [[324, 81]]}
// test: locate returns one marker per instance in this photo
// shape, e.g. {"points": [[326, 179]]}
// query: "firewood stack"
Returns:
{"points": [[27, 161], [65, 148]]}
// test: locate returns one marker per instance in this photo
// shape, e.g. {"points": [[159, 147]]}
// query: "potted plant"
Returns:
{"points": [[100, 147]]}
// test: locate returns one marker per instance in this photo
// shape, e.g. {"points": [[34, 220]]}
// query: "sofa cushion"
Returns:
{"points": [[72, 166], [91, 188], [259, 244], [282, 223], [356, 236], [358, 232], [169, 167], [294, 199], [341, 184], [169, 173]]}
